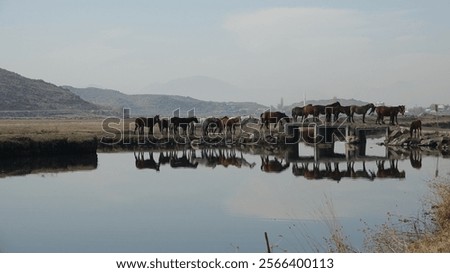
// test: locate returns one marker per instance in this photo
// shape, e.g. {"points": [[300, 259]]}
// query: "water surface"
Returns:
{"points": [[220, 203]]}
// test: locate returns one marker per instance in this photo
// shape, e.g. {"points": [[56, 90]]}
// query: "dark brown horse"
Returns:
{"points": [[345, 110], [332, 109], [164, 125], [229, 124], [272, 117], [298, 112], [212, 125], [389, 111], [142, 122], [314, 110], [184, 123], [416, 128], [361, 110]]}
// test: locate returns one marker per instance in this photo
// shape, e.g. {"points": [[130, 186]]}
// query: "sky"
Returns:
{"points": [[396, 52]]}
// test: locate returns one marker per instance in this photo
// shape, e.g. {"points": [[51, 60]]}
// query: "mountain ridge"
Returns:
{"points": [[25, 96]]}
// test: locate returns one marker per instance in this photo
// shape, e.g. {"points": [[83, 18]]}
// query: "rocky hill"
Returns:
{"points": [[151, 104], [22, 97]]}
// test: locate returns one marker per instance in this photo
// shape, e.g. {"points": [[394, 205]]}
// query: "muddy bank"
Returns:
{"points": [[434, 139], [29, 147], [17, 166]]}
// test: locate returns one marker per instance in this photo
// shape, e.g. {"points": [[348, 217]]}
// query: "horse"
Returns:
{"points": [[184, 123], [343, 109], [391, 111], [212, 125], [142, 163], [231, 123], [164, 124], [415, 128], [142, 122], [298, 112], [314, 110], [272, 117], [332, 109], [361, 110]]}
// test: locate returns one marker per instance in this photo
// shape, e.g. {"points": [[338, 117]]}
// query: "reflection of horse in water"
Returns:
{"points": [[415, 157], [360, 173], [415, 128], [142, 163], [185, 161], [336, 174], [273, 166], [391, 172], [224, 157]]}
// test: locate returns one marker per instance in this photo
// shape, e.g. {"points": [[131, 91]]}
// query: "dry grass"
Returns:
{"points": [[428, 232]]}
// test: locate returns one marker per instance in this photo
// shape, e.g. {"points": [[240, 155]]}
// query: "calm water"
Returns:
{"points": [[108, 204]]}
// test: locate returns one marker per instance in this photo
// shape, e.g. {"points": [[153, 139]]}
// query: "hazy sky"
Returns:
{"points": [[392, 51]]}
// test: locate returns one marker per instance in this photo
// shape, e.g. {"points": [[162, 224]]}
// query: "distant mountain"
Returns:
{"points": [[22, 96], [203, 87], [165, 105], [342, 101]]}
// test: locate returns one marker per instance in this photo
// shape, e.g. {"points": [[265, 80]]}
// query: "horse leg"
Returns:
{"points": [[364, 118]]}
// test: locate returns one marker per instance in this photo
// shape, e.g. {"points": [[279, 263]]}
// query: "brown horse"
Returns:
{"points": [[142, 122], [314, 110], [391, 111], [298, 112], [361, 110], [332, 109], [212, 125], [416, 128], [184, 123], [229, 124], [345, 110], [272, 117]]}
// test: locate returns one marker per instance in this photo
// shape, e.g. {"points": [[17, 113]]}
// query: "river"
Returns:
{"points": [[207, 200]]}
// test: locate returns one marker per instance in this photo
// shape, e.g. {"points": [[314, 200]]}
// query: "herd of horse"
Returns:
{"points": [[228, 124]]}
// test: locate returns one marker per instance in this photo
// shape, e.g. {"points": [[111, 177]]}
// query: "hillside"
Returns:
{"points": [[151, 104], [22, 96], [203, 87]]}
